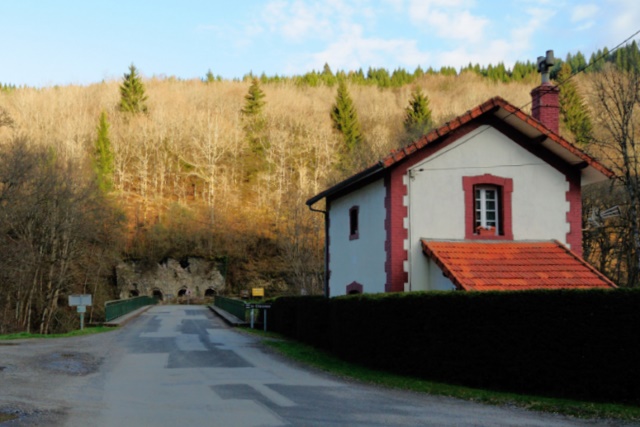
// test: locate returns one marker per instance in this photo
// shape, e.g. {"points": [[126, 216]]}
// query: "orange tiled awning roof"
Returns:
{"points": [[510, 266]]}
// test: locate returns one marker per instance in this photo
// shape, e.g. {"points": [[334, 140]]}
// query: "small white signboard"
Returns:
{"points": [[80, 299]]}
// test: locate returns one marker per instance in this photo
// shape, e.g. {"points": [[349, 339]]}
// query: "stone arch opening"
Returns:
{"points": [[210, 292], [182, 292], [157, 293], [134, 293]]}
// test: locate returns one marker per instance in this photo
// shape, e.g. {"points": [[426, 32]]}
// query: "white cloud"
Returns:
{"points": [[295, 20], [584, 15], [492, 53], [298, 20], [583, 12], [354, 51], [625, 15], [602, 23], [396, 5], [451, 19], [512, 44], [521, 39]]}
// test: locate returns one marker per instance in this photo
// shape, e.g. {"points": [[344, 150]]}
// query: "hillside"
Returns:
{"points": [[178, 170]]}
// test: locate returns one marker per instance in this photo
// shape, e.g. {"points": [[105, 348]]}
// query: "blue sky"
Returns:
{"points": [[49, 42]]}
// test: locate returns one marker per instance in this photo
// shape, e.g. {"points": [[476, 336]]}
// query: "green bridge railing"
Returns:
{"points": [[120, 307], [230, 305]]}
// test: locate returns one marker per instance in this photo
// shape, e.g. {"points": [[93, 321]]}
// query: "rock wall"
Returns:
{"points": [[170, 279]]}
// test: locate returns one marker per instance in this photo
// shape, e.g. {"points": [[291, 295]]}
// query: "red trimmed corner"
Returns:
{"points": [[396, 190], [354, 288], [574, 216], [468, 182]]}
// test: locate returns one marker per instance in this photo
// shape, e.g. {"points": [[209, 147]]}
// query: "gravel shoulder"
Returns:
{"points": [[39, 377]]}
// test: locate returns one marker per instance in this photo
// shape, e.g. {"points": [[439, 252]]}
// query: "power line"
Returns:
{"points": [[603, 56], [624, 42]]}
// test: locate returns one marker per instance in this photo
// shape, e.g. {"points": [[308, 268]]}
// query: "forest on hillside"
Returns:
{"points": [[146, 169]]}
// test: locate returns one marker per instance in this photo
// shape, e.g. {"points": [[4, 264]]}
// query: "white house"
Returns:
{"points": [[490, 200]]}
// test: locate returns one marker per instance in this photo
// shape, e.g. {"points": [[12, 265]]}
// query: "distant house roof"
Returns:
{"points": [[510, 266], [537, 133]]}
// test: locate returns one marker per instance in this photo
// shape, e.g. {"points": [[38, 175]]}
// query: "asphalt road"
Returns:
{"points": [[182, 366]]}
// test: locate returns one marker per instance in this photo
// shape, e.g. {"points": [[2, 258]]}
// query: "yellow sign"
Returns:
{"points": [[257, 292]]}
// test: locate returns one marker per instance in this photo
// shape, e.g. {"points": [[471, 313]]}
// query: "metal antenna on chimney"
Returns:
{"points": [[544, 65]]}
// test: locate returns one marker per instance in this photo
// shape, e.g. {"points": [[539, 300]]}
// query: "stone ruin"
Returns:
{"points": [[170, 279]]}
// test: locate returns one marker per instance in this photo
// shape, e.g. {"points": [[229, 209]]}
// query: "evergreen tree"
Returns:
{"points": [[345, 121], [400, 77], [210, 78], [448, 71], [633, 57], [255, 130], [254, 100], [418, 120], [103, 158], [327, 75], [132, 96], [326, 70], [572, 108]]}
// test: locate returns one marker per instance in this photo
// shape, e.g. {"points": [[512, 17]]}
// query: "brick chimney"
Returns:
{"points": [[545, 106]]}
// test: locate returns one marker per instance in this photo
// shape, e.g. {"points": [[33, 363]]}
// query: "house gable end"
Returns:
{"points": [[396, 223]]}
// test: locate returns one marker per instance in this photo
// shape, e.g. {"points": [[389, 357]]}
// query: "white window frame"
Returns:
{"points": [[481, 209]]}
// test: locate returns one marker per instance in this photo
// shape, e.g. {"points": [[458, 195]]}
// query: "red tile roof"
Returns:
{"points": [[508, 266], [486, 107], [492, 106]]}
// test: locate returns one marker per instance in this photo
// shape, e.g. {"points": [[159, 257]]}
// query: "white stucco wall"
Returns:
{"points": [[361, 260], [436, 196], [437, 281]]}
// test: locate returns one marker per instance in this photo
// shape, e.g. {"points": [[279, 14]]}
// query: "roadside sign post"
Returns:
{"points": [[81, 302], [263, 307]]}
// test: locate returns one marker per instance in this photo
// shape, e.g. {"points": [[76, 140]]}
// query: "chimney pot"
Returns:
{"points": [[545, 106]]}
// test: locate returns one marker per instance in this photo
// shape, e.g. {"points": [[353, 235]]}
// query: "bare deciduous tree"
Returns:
{"points": [[616, 98], [52, 218]]}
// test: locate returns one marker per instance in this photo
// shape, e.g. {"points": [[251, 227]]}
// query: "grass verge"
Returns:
{"points": [[85, 331], [7, 417], [326, 362]]}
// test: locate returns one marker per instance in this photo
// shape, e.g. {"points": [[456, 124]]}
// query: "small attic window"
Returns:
{"points": [[488, 208], [353, 223], [487, 200]]}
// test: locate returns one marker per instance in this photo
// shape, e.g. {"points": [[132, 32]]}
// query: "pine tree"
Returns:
{"points": [[254, 100], [209, 77], [572, 108], [103, 159], [345, 120], [255, 130], [132, 96], [418, 120]]}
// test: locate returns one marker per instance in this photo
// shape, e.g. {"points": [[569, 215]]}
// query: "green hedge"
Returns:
{"points": [[577, 344]]}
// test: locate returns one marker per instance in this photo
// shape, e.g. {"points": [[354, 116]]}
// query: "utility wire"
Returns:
{"points": [[603, 56], [624, 42]]}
